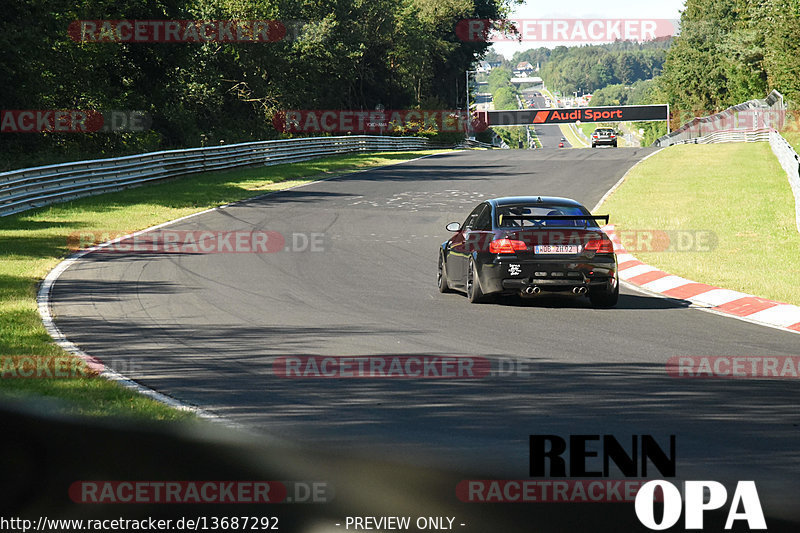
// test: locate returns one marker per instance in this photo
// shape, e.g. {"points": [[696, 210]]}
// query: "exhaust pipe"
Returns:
{"points": [[579, 290], [532, 290]]}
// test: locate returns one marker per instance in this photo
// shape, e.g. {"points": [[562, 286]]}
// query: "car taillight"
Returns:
{"points": [[600, 246], [506, 246], [594, 136], [612, 135]]}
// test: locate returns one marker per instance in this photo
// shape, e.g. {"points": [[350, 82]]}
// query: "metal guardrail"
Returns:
{"points": [[790, 162], [470, 143], [29, 188], [753, 115], [578, 133], [728, 136]]}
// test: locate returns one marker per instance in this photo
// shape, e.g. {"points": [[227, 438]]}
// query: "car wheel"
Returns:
{"points": [[615, 145], [604, 297], [474, 292], [441, 280], [594, 145]]}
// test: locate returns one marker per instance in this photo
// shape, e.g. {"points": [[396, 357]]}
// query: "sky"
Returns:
{"points": [[587, 9]]}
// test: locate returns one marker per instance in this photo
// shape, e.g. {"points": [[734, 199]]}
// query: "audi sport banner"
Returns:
{"points": [[622, 113]]}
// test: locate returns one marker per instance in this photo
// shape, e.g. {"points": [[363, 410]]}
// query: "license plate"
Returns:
{"points": [[556, 249]]}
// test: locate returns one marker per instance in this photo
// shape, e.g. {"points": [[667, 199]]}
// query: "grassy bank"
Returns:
{"points": [[739, 192], [569, 134], [34, 242], [794, 139]]}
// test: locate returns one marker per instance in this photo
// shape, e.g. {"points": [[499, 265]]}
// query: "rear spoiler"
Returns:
{"points": [[552, 217]]}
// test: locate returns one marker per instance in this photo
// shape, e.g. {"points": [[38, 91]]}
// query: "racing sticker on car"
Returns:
{"points": [[514, 270]]}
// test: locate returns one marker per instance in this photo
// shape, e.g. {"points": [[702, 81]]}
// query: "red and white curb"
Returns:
{"points": [[725, 301]]}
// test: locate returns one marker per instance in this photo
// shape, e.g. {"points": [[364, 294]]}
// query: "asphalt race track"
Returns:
{"points": [[205, 329], [549, 134]]}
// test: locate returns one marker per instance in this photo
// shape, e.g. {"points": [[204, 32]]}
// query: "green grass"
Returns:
{"points": [[588, 128], [570, 135], [536, 139], [794, 139], [736, 190], [32, 243]]}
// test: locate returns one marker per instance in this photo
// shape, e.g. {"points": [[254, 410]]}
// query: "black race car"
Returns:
{"points": [[529, 246]]}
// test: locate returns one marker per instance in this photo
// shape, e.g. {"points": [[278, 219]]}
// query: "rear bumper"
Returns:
{"points": [[549, 275], [608, 142], [551, 284]]}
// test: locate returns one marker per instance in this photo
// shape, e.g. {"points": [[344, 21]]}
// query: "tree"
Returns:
{"points": [[504, 98], [346, 54]]}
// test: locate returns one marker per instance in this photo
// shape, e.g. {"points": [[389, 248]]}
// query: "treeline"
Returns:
{"points": [[640, 92], [728, 52], [731, 51], [589, 68], [504, 96], [346, 54], [620, 73], [504, 93]]}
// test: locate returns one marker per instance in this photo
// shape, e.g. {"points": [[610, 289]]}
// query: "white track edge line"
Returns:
{"points": [[624, 176], [46, 286]]}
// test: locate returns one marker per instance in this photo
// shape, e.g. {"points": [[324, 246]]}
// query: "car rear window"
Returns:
{"points": [[504, 213]]}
